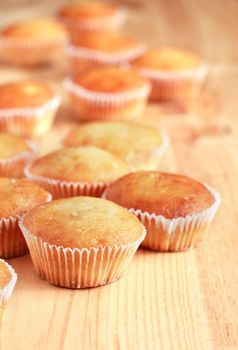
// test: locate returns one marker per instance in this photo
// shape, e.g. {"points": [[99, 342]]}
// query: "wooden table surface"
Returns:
{"points": [[166, 301]]}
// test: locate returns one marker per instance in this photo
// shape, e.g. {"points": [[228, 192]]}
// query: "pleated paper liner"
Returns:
{"points": [[175, 86], [12, 242], [79, 268], [29, 122], [29, 52], [81, 59], [65, 189], [149, 160], [14, 166], [6, 291], [88, 105], [178, 234]]}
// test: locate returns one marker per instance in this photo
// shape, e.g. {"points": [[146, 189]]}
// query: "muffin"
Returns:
{"points": [[107, 93], [8, 279], [32, 42], [27, 107], [140, 146], [91, 17], [176, 210], [17, 196], [175, 74], [15, 152], [81, 242], [76, 171], [102, 50]]}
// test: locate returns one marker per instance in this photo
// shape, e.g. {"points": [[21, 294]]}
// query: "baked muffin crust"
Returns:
{"points": [[110, 80], [165, 194], [5, 275], [83, 222], [88, 11], [12, 145], [167, 59], [37, 28], [123, 139], [24, 94], [19, 195], [107, 43], [80, 164]]}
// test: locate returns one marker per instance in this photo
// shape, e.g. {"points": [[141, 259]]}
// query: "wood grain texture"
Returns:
{"points": [[166, 301]]}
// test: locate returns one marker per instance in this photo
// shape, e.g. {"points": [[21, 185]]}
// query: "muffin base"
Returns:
{"points": [[14, 166], [178, 234], [29, 52], [175, 86], [29, 122], [79, 268], [88, 106], [65, 189], [82, 59], [6, 292], [12, 242]]}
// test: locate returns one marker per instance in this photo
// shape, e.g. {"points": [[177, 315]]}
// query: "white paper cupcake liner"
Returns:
{"points": [[29, 52], [79, 268], [6, 291], [33, 121], [101, 57], [14, 166], [65, 189], [12, 242], [102, 98], [91, 25], [90, 105], [176, 234], [29, 44], [180, 85]]}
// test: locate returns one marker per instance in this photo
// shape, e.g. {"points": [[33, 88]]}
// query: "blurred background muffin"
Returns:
{"points": [[108, 93], [102, 50], [84, 18], [175, 74], [15, 153], [141, 146], [32, 42], [27, 107]]}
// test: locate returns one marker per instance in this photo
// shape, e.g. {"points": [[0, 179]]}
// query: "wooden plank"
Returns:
{"points": [[167, 301]]}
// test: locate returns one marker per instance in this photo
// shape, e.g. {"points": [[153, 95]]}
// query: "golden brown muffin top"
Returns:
{"points": [[83, 222], [167, 59], [109, 43], [93, 10], [35, 29], [123, 139], [5, 275], [110, 80], [24, 94], [19, 195], [80, 164], [11, 145], [164, 194]]}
